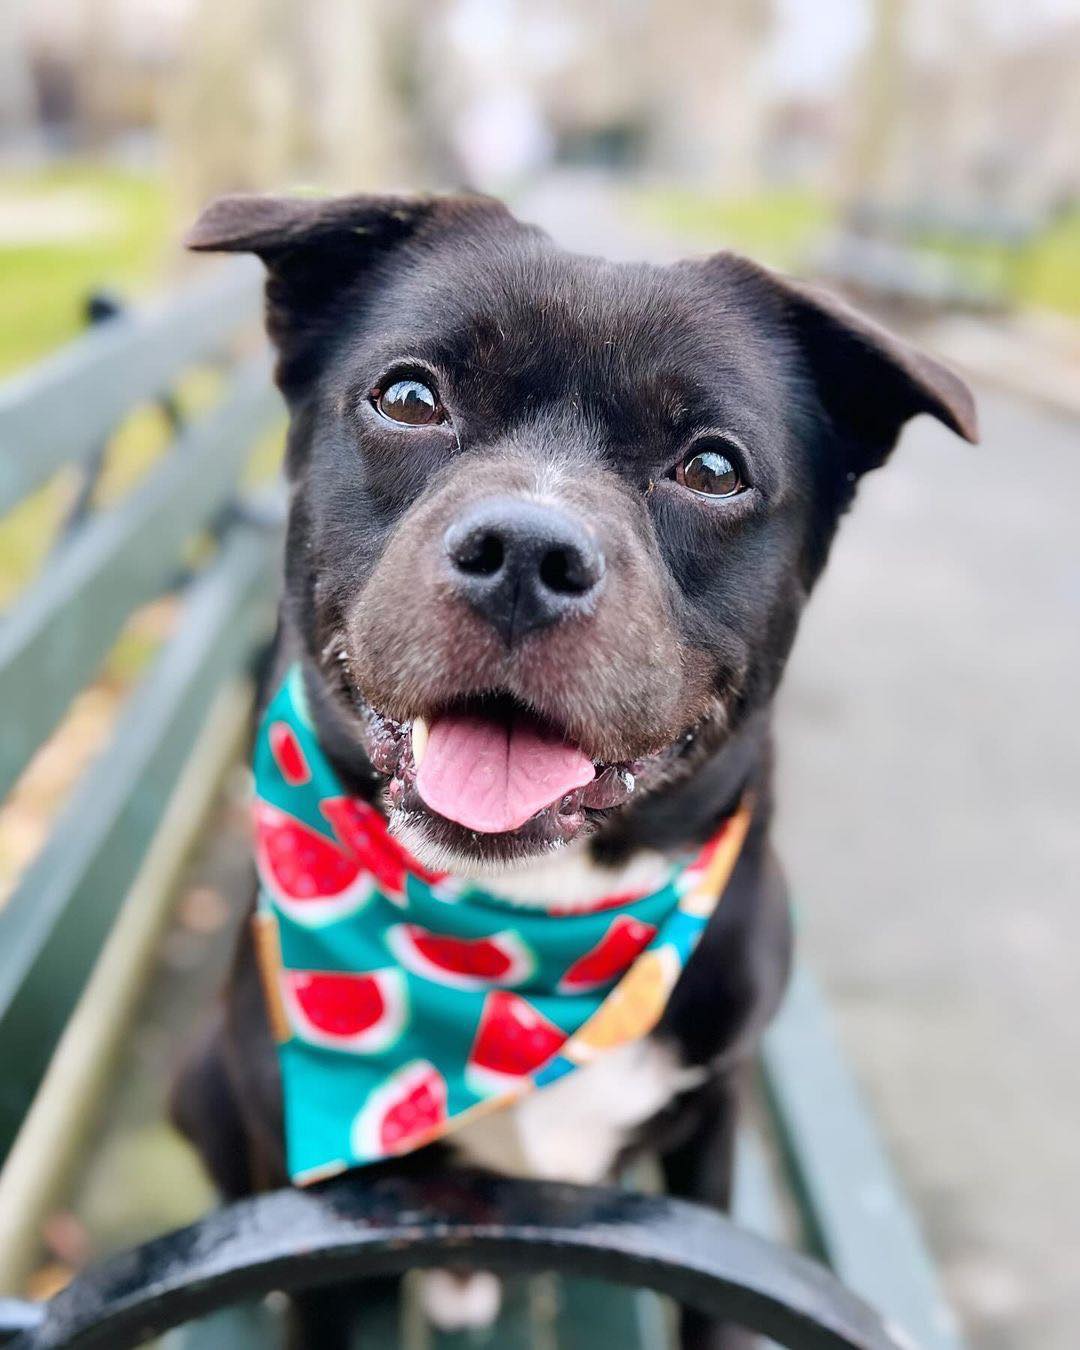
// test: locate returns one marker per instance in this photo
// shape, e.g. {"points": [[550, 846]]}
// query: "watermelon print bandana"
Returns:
{"points": [[406, 1002]]}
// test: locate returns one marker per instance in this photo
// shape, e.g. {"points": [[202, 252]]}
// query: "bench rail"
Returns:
{"points": [[351, 1229]]}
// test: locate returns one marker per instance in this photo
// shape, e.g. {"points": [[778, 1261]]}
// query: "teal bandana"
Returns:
{"points": [[405, 1002]]}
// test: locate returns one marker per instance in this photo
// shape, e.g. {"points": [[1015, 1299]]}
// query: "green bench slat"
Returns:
{"points": [[248, 1326], [539, 1312], [852, 1202], [59, 631], [591, 1313], [52, 927], [755, 1204], [755, 1201], [63, 408]]}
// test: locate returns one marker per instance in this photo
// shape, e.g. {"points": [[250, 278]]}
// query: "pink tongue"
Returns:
{"points": [[492, 777]]}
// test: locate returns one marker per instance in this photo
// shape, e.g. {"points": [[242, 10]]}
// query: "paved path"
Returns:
{"points": [[930, 822]]}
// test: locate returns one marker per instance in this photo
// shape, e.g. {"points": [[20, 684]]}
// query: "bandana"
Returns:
{"points": [[405, 1002]]}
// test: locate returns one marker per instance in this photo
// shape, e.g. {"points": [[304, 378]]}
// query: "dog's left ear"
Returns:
{"points": [[316, 248], [869, 380]]}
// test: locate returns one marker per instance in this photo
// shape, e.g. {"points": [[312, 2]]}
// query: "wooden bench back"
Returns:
{"points": [[172, 532]]}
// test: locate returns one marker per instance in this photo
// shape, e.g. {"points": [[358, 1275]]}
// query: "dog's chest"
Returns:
{"points": [[575, 1129]]}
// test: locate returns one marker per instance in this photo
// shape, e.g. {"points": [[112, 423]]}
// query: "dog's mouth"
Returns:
{"points": [[493, 767]]}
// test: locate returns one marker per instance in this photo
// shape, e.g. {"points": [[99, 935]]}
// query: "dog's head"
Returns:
{"points": [[553, 519]]}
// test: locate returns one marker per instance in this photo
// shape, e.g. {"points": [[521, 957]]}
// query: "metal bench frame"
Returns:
{"points": [[350, 1230]]}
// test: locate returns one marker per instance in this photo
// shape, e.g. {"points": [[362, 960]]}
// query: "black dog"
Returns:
{"points": [[530, 483]]}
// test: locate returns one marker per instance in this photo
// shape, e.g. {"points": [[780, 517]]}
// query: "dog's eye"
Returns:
{"points": [[710, 473], [409, 401]]}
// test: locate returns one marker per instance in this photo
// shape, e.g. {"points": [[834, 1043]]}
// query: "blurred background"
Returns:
{"points": [[920, 155]]}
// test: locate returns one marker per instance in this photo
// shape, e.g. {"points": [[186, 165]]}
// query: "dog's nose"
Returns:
{"points": [[523, 565]]}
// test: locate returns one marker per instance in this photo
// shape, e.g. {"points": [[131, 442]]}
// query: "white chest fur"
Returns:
{"points": [[575, 1129]]}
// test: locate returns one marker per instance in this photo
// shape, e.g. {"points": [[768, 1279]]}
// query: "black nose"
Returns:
{"points": [[523, 565]]}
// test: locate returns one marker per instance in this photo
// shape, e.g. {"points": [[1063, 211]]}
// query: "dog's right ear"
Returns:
{"points": [[315, 248]]}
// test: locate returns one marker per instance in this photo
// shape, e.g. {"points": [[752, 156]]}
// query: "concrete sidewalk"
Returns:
{"points": [[930, 823]]}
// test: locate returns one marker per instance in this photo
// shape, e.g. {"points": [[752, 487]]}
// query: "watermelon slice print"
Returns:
{"points": [[288, 756], [365, 834], [405, 1112], [311, 878], [462, 963], [362, 1014], [625, 939], [512, 1040]]}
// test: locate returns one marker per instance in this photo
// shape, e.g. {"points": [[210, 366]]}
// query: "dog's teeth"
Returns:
{"points": [[419, 739]]}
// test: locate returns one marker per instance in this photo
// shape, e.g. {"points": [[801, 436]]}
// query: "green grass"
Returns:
{"points": [[119, 236], [1050, 274]]}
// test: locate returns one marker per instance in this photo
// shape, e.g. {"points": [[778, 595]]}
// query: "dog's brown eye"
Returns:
{"points": [[710, 473], [410, 402]]}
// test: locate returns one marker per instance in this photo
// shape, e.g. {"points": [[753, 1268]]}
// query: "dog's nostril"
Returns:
{"points": [[564, 571], [481, 555]]}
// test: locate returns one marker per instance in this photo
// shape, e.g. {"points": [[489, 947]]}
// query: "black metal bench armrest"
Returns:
{"points": [[353, 1228]]}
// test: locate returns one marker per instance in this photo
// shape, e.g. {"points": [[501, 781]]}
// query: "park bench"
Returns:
{"points": [[927, 257], [822, 1250]]}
